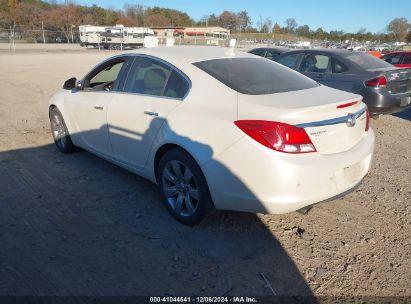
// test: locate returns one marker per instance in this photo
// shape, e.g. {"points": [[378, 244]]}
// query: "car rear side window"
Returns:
{"points": [[177, 86], [255, 76], [147, 76], [365, 60], [289, 60], [316, 63], [271, 54], [258, 52], [393, 59], [338, 67], [406, 59]]}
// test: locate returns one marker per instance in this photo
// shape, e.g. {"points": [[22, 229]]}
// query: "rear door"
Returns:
{"points": [[150, 92], [344, 78]]}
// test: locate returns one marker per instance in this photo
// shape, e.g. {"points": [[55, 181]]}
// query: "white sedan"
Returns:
{"points": [[217, 127]]}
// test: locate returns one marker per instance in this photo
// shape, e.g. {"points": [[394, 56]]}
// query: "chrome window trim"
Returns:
{"points": [[333, 121]]}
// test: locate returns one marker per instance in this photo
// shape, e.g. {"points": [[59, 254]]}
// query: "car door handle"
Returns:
{"points": [[150, 113], [98, 107]]}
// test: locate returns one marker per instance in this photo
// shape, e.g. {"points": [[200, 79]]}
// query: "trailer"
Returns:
{"points": [[113, 37]]}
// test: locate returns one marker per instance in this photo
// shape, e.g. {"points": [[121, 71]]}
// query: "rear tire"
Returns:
{"points": [[60, 133], [184, 187]]}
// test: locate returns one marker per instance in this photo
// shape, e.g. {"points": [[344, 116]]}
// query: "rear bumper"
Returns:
{"points": [[381, 102], [249, 177]]}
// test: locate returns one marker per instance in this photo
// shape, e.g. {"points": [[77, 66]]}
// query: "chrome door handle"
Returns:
{"points": [[98, 107], [150, 113]]}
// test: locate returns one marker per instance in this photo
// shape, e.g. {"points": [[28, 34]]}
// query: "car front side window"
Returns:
{"points": [[104, 78]]}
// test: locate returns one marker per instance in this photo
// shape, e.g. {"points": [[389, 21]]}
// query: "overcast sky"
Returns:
{"points": [[346, 15]]}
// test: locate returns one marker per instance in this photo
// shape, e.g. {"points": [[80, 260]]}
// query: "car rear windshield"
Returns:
{"points": [[366, 61], [255, 76]]}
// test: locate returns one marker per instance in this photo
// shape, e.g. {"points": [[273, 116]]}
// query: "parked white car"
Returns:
{"points": [[217, 127]]}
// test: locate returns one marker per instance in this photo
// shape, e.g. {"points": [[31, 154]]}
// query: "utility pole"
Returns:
{"points": [[42, 29], [71, 30], [12, 33]]}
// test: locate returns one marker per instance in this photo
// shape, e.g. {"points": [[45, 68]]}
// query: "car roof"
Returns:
{"points": [[191, 54], [282, 49], [330, 51], [397, 52]]}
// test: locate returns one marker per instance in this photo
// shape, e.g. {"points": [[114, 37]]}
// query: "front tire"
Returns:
{"points": [[60, 133], [184, 187]]}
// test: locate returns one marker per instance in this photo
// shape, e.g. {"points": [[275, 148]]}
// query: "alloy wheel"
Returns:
{"points": [[59, 130], [180, 188]]}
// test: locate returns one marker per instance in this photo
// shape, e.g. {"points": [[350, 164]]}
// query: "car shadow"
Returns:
{"points": [[75, 224], [406, 114]]}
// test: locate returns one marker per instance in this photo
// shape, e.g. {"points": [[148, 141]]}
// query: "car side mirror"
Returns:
{"points": [[70, 84]]}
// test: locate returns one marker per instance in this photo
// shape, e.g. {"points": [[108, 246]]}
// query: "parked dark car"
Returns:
{"points": [[400, 59], [384, 87], [269, 53], [61, 40]]}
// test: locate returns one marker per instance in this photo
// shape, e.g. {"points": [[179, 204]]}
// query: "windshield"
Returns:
{"points": [[255, 76], [366, 61]]}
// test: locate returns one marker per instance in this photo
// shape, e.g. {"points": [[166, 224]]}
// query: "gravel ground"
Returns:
{"points": [[77, 225]]}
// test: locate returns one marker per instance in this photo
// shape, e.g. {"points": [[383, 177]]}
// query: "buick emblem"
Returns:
{"points": [[351, 120]]}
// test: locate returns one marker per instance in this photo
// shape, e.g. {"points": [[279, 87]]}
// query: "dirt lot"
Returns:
{"points": [[77, 225]]}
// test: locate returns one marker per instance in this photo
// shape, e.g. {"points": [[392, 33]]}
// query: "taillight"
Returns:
{"points": [[367, 121], [277, 136], [376, 82]]}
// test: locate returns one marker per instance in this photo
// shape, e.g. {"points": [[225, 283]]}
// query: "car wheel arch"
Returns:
{"points": [[51, 107], [163, 149]]}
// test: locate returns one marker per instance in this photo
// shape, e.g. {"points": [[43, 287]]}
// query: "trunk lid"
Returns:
{"points": [[331, 129], [398, 79]]}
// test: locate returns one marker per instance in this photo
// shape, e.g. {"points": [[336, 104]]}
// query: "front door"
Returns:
{"points": [[88, 107]]}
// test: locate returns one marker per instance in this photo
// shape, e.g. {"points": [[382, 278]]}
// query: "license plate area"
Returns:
{"points": [[348, 176], [352, 173]]}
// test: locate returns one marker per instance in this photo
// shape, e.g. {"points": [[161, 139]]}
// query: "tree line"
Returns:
{"points": [[32, 15]]}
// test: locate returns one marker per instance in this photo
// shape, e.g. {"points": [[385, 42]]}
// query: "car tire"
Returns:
{"points": [[60, 133], [184, 187]]}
